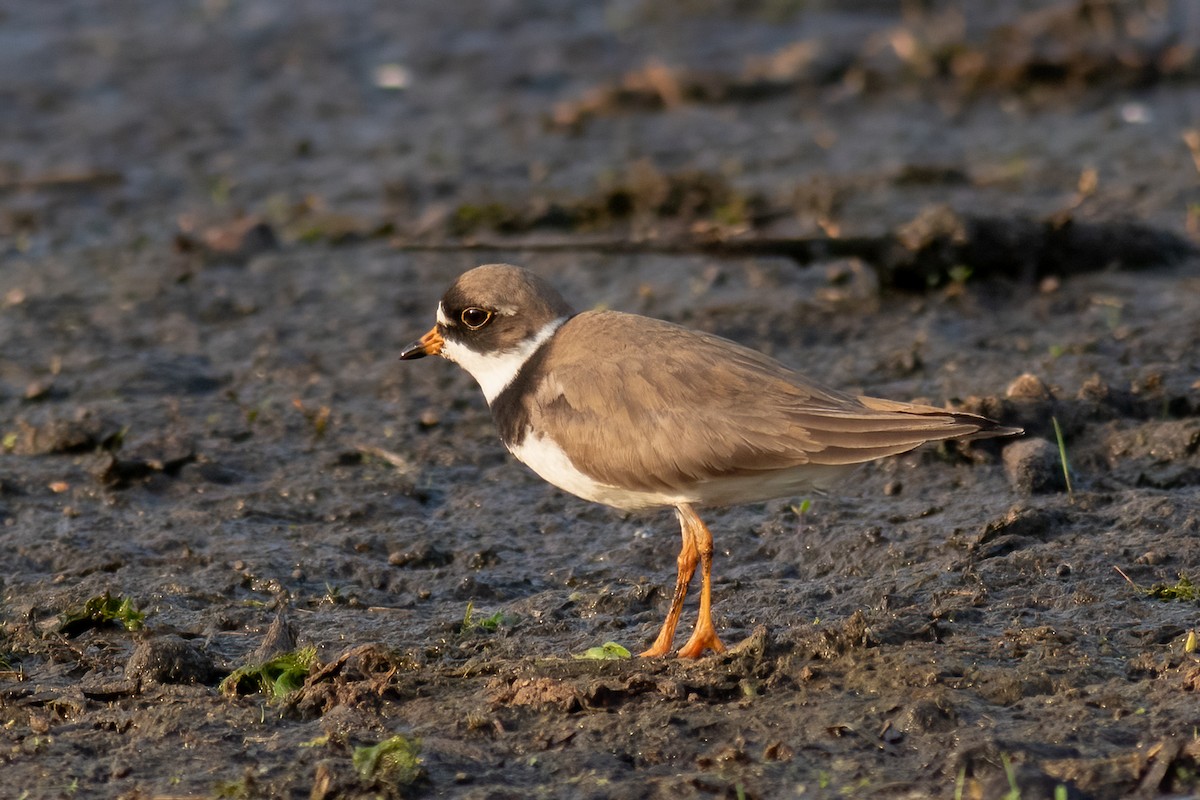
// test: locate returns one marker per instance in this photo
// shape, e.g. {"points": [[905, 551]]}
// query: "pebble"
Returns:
{"points": [[1028, 387], [169, 659], [1033, 466]]}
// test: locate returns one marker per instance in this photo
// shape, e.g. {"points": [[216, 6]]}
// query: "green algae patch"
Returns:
{"points": [[276, 677]]}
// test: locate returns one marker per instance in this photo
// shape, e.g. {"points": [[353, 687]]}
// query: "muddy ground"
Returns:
{"points": [[221, 222]]}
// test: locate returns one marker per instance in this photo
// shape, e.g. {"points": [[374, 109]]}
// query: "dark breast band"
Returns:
{"points": [[512, 407]]}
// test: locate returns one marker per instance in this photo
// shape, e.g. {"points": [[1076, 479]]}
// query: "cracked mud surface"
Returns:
{"points": [[209, 226]]}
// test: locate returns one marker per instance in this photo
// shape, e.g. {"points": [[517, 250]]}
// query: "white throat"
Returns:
{"points": [[495, 371]]}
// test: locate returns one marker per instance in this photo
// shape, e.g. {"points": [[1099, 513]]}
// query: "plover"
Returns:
{"points": [[637, 413]]}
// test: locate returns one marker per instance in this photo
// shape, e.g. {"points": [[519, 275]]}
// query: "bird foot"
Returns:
{"points": [[700, 641], [654, 651]]}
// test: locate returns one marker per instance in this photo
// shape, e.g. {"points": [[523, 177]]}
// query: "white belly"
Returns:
{"points": [[553, 465]]}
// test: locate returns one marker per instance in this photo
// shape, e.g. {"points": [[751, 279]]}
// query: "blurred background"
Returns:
{"points": [[431, 121]]}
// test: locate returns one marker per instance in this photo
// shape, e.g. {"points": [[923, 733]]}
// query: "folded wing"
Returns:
{"points": [[712, 408]]}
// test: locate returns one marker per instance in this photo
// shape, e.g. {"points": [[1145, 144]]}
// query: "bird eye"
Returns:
{"points": [[475, 317]]}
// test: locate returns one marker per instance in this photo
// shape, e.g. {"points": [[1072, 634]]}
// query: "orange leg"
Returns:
{"points": [[688, 558], [704, 635]]}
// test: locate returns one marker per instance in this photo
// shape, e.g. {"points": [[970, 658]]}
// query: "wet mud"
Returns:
{"points": [[220, 223]]}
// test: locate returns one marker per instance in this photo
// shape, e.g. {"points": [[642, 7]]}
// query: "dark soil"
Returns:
{"points": [[221, 222]]}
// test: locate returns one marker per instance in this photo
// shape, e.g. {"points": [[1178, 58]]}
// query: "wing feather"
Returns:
{"points": [[650, 405]]}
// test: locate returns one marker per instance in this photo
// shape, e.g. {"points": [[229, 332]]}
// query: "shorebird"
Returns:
{"points": [[638, 413]]}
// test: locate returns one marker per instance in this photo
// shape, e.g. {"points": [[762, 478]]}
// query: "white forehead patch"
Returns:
{"points": [[496, 370], [441, 316]]}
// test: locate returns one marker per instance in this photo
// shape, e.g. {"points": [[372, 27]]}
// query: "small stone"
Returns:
{"points": [[280, 638], [423, 555], [169, 659], [1033, 466], [471, 589], [1063, 570], [892, 488], [1028, 387], [1050, 284], [39, 389], [236, 240], [483, 559], [1095, 389], [778, 751]]}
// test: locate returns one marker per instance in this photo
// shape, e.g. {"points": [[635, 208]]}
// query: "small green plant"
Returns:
{"points": [[219, 189], [1014, 791], [471, 216], [333, 595], [800, 510], [396, 761], [489, 624], [101, 610], [1062, 456], [609, 651], [735, 211], [243, 789], [1183, 589], [277, 677], [318, 418], [1186, 776], [959, 273], [7, 657]]}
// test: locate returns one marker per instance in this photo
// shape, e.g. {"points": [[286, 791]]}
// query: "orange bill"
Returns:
{"points": [[428, 345]]}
